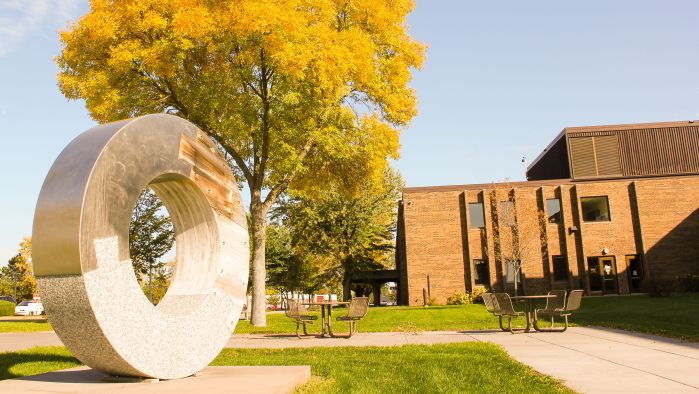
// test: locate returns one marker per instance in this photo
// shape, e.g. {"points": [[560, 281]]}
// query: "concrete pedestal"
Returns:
{"points": [[276, 380]]}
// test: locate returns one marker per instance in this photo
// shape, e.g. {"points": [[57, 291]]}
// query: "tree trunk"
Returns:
{"points": [[259, 224], [346, 286]]}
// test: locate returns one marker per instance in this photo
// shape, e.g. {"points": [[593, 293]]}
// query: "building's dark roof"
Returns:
{"points": [[635, 151], [613, 127], [631, 126]]}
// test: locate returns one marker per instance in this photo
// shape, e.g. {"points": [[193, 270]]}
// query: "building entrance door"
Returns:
{"points": [[635, 271], [602, 273]]}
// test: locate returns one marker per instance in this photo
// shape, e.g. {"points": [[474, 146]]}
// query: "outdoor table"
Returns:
{"points": [[530, 307], [326, 317]]}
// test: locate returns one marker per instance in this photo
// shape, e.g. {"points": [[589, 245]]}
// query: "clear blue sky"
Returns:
{"points": [[500, 81]]}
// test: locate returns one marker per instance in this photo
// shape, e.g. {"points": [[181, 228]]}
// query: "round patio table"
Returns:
{"points": [[326, 318], [530, 307]]}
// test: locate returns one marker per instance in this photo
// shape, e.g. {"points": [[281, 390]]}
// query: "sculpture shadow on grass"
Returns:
{"points": [[23, 363]]}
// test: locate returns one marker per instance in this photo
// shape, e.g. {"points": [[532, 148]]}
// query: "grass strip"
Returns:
{"points": [[452, 368], [24, 326]]}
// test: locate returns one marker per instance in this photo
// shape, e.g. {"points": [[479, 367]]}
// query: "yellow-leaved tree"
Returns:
{"points": [[297, 93]]}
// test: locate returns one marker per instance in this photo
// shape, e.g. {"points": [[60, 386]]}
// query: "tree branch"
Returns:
{"points": [[249, 177], [177, 104], [281, 186]]}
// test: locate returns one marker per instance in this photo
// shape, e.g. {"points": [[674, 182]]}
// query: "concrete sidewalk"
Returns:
{"points": [[589, 360], [83, 380], [280, 341], [12, 341], [600, 360]]}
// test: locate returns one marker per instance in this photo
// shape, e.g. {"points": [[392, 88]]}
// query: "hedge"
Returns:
{"points": [[7, 308]]}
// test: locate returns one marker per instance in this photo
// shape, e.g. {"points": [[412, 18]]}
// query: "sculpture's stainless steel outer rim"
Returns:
{"points": [[80, 242]]}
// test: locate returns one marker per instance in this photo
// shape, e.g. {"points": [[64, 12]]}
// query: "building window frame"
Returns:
{"points": [[584, 216], [556, 271], [473, 207], [557, 217], [481, 272]]}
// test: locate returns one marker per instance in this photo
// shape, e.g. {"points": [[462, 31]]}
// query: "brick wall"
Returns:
{"points": [[440, 243], [670, 226], [433, 244], [616, 235]]}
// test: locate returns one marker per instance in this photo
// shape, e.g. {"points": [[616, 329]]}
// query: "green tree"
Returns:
{"points": [[345, 233], [151, 235], [289, 267], [161, 278], [296, 93], [18, 275]]}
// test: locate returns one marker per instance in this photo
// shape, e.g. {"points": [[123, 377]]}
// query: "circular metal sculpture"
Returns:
{"points": [[81, 248]]}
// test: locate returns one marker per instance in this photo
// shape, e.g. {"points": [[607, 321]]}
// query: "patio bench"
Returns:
{"points": [[560, 307], [358, 308], [298, 314]]}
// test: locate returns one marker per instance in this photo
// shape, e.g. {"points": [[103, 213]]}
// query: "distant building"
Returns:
{"points": [[608, 209]]}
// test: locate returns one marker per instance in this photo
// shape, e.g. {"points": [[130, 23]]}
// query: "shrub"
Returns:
{"points": [[477, 294], [7, 308], [460, 298]]}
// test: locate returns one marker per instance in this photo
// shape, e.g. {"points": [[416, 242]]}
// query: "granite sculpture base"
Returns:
{"points": [[262, 380]]}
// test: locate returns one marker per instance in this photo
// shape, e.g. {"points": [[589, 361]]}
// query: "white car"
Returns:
{"points": [[28, 308]]}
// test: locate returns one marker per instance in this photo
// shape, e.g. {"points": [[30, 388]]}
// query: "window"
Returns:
{"points": [[507, 213], [553, 210], [481, 272], [475, 210], [560, 268], [595, 209]]}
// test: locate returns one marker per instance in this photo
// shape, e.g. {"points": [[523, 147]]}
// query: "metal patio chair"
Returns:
{"points": [[491, 305], [488, 302], [571, 305], [553, 304], [299, 315], [504, 308], [358, 308]]}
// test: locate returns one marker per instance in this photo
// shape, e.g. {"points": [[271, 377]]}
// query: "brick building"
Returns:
{"points": [[608, 209]]}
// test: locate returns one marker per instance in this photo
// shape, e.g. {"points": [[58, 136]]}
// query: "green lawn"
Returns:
{"points": [[35, 361], [394, 318], [24, 326], [454, 368], [676, 316]]}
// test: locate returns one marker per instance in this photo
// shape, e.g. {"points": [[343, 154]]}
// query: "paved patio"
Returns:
{"points": [[589, 360]]}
